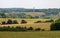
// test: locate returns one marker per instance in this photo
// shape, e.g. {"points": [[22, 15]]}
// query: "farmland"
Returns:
{"points": [[30, 23], [29, 34], [36, 34], [31, 18]]}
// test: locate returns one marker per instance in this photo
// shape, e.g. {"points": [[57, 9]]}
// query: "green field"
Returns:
{"points": [[37, 34]]}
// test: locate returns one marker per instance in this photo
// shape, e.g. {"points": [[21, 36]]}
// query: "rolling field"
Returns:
{"points": [[37, 34], [29, 34], [30, 23], [45, 26]]}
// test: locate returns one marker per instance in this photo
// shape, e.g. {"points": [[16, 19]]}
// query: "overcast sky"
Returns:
{"points": [[30, 4]]}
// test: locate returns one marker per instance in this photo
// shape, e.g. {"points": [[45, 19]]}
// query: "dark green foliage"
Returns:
{"points": [[5, 28], [36, 16], [42, 29], [38, 22], [55, 26], [23, 22], [15, 22], [2, 15], [25, 29], [9, 21], [18, 28], [57, 20], [10, 13], [52, 27], [30, 28], [37, 29], [3, 22]]}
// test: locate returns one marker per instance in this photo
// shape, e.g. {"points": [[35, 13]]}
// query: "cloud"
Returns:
{"points": [[30, 3]]}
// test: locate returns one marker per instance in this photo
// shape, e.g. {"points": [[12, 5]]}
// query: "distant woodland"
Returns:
{"points": [[29, 13]]}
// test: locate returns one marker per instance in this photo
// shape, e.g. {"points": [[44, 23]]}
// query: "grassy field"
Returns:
{"points": [[37, 34]]}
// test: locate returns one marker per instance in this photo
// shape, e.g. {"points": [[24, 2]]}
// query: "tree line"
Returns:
{"points": [[48, 12]]}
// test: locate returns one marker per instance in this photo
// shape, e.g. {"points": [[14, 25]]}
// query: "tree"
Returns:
{"points": [[55, 26], [3, 22], [38, 22], [15, 22], [30, 28], [37, 29], [36, 16], [9, 21], [23, 22]]}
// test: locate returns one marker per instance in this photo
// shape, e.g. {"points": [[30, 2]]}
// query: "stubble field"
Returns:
{"points": [[37, 34], [30, 23]]}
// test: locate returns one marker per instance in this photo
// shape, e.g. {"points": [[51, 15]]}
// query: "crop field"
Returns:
{"points": [[29, 34], [45, 26], [30, 23], [36, 34]]}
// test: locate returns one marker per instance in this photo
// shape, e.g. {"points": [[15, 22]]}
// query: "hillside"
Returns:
{"points": [[31, 13]]}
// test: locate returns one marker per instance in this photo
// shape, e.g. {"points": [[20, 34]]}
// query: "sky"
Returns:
{"points": [[38, 4]]}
